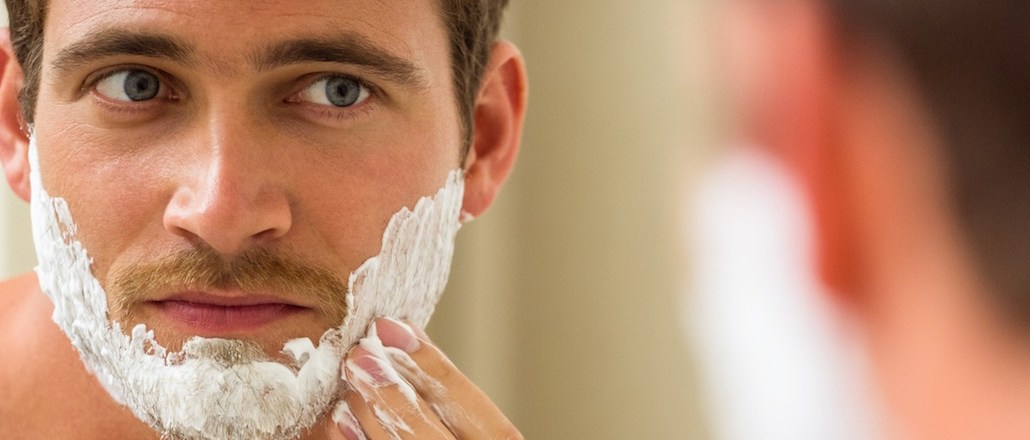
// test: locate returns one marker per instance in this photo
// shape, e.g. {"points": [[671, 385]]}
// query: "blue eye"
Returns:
{"points": [[338, 91], [130, 85]]}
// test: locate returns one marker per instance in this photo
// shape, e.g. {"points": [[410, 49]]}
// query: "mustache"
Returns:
{"points": [[257, 270]]}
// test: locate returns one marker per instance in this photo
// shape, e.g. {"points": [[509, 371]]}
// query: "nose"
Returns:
{"points": [[231, 195]]}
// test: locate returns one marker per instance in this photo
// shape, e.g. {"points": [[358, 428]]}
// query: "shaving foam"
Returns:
{"points": [[187, 395]]}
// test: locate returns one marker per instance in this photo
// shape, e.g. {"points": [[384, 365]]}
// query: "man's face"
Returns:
{"points": [[277, 139]]}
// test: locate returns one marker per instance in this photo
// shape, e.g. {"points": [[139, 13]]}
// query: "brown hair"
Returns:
{"points": [[472, 27], [971, 61]]}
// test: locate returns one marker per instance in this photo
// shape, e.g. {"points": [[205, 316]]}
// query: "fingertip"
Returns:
{"points": [[357, 351], [397, 334], [346, 423], [370, 370], [419, 332]]}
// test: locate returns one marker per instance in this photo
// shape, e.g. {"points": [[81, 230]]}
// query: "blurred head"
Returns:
{"points": [[965, 60], [904, 121]]}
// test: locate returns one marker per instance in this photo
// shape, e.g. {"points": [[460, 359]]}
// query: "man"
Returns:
{"points": [[205, 177], [904, 121]]}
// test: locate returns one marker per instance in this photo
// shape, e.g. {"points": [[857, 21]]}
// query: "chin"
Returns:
{"points": [[263, 384], [260, 384]]}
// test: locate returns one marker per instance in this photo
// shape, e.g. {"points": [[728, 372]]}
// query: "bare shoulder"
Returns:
{"points": [[42, 379], [16, 300], [15, 294], [17, 317], [19, 298]]}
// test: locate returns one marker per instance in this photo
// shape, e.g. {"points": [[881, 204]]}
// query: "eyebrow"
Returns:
{"points": [[347, 48], [110, 42], [343, 49]]}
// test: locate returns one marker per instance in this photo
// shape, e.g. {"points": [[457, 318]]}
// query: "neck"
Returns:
{"points": [[948, 365]]}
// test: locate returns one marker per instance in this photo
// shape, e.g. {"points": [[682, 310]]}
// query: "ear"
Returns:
{"points": [[14, 143], [791, 105], [499, 114], [814, 142]]}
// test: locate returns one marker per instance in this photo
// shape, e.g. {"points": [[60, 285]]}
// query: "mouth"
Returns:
{"points": [[209, 315]]}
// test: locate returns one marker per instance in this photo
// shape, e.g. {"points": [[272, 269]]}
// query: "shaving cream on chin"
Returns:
{"points": [[191, 396]]}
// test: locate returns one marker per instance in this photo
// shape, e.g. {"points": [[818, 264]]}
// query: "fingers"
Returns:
{"points": [[401, 386], [460, 405], [381, 403], [348, 427]]}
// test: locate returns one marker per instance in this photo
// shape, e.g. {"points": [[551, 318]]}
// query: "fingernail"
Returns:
{"points": [[369, 370], [350, 434], [397, 334], [347, 424]]}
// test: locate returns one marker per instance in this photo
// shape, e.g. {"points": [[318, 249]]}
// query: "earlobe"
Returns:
{"points": [[499, 114], [14, 142]]}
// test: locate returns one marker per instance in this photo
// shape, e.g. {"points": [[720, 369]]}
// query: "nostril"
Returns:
{"points": [[270, 234], [231, 207], [228, 227]]}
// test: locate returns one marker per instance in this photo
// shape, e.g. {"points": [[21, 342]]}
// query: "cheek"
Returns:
{"points": [[367, 176], [349, 206], [113, 202]]}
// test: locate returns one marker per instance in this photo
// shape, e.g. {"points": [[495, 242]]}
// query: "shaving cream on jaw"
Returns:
{"points": [[188, 395]]}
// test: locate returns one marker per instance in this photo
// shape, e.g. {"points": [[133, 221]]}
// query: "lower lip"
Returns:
{"points": [[214, 320]]}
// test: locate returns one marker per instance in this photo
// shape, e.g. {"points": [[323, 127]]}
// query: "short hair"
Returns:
{"points": [[970, 60], [472, 27]]}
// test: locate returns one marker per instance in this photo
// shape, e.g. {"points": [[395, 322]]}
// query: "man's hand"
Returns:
{"points": [[401, 386]]}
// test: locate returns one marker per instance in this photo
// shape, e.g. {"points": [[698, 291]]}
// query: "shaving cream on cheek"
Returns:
{"points": [[192, 396]]}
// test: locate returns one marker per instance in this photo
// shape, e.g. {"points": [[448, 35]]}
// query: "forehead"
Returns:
{"points": [[226, 31]]}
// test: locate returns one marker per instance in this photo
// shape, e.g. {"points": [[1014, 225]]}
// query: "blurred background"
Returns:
{"points": [[608, 294], [565, 298]]}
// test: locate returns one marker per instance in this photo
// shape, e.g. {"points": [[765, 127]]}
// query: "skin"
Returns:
{"points": [[848, 121], [234, 158]]}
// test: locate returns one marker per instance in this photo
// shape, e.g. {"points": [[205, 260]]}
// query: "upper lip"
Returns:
{"points": [[230, 299]]}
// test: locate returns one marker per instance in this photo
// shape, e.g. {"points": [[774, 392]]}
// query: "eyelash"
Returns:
{"points": [[90, 85], [337, 114], [327, 112]]}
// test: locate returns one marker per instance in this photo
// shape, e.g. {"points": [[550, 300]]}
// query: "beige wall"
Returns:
{"points": [[16, 255], [564, 299]]}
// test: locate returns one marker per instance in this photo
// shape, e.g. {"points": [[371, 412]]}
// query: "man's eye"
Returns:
{"points": [[130, 85], [337, 91]]}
